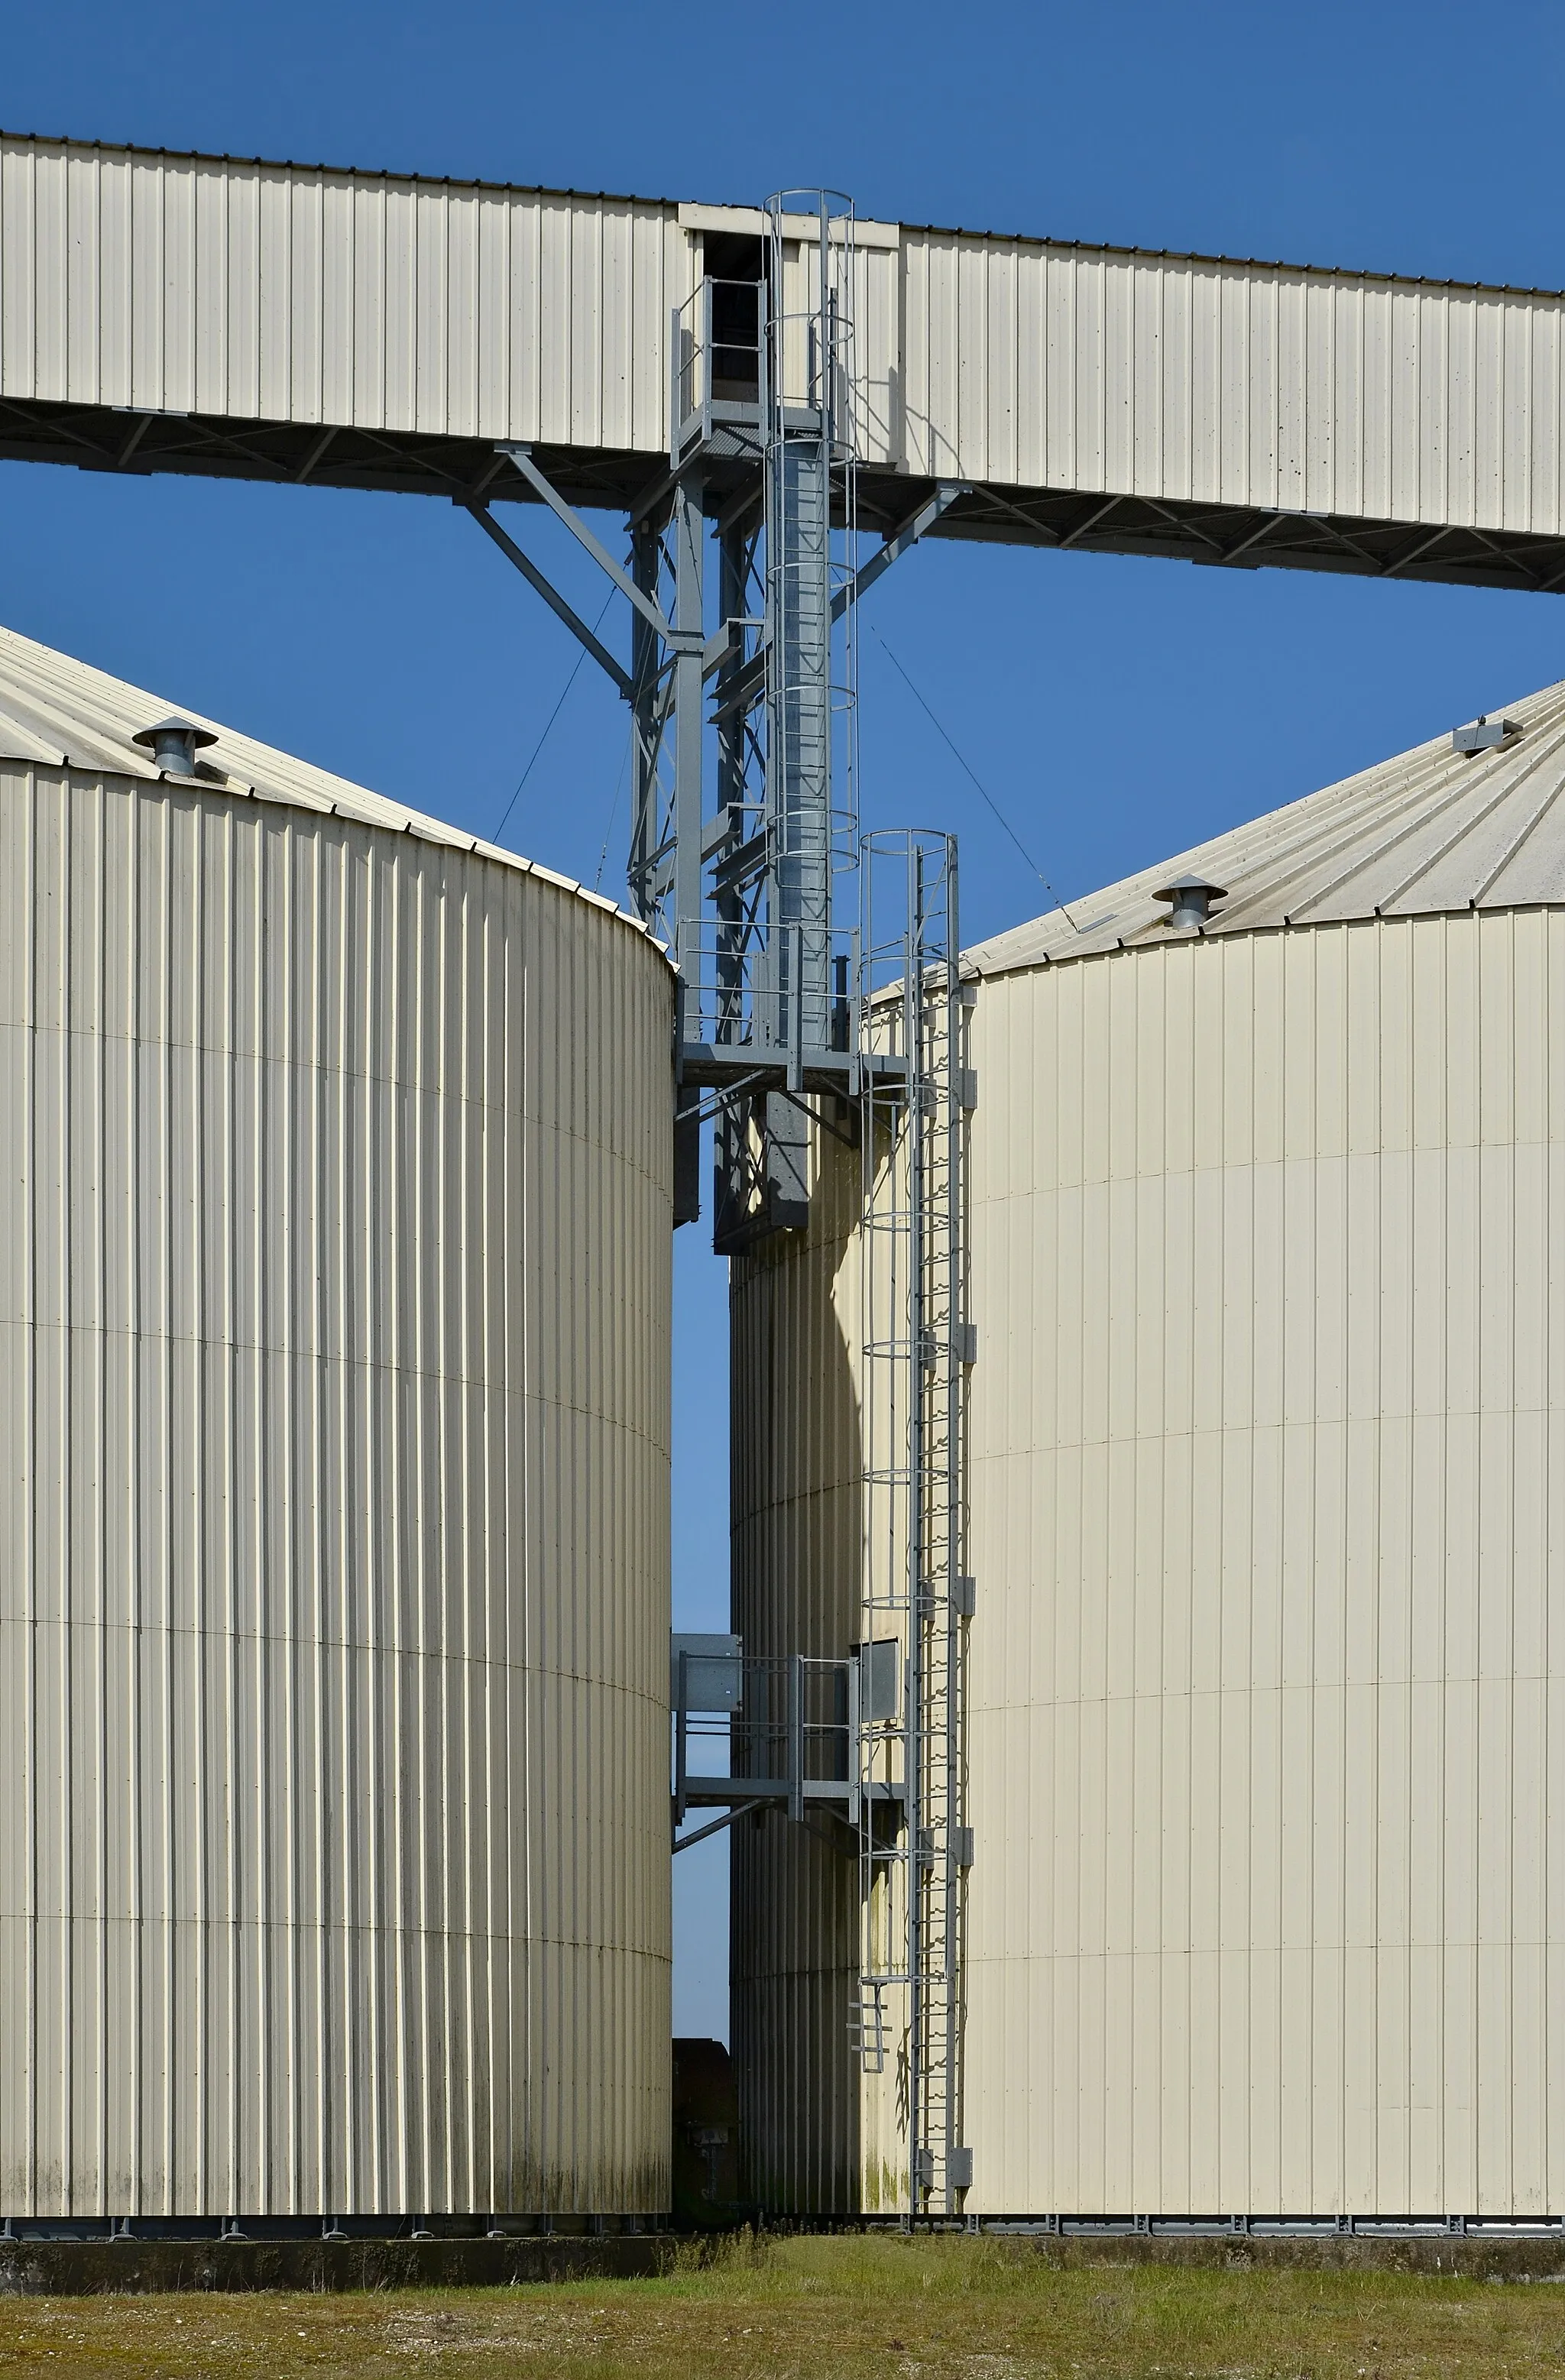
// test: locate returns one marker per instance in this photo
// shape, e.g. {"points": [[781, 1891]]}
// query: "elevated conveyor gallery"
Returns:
{"points": [[275, 321]]}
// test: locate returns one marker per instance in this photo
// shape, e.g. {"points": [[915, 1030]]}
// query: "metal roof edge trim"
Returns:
{"points": [[320, 165], [423, 827], [1381, 272], [553, 876], [675, 206], [970, 973], [869, 231]]}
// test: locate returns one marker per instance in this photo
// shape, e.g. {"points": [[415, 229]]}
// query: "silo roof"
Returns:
{"points": [[60, 713], [1433, 829]]}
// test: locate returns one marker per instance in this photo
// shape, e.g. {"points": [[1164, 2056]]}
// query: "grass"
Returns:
{"points": [[822, 2309]]}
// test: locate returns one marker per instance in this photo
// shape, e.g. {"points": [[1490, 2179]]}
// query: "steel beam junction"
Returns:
{"points": [[741, 581]]}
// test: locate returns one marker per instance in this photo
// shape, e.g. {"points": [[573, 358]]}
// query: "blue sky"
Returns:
{"points": [[1117, 710]]}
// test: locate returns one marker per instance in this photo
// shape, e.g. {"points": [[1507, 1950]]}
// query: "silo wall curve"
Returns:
{"points": [[335, 1314], [796, 1531], [1267, 1507], [1266, 1516]]}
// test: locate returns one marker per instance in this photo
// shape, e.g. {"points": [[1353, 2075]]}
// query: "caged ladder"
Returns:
{"points": [[914, 1844]]}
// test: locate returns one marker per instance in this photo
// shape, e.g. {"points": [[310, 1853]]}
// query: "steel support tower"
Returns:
{"points": [[764, 442], [817, 992]]}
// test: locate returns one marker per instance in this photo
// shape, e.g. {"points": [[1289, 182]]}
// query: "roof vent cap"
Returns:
{"points": [[1483, 734], [174, 743], [1191, 898]]}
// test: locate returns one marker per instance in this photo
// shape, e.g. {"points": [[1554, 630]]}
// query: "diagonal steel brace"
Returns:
{"points": [[551, 596], [522, 458], [917, 524]]}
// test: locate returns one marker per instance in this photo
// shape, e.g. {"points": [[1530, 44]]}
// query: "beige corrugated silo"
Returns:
{"points": [[334, 1316], [1267, 1510], [796, 1535]]}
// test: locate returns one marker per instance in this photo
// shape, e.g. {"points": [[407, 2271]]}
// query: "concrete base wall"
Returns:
{"points": [[87, 2268]]}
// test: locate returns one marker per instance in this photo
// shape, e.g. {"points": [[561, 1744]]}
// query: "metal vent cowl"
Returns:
{"points": [[1192, 899], [173, 744]]}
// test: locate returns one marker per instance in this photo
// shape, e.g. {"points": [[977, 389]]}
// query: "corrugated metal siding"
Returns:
{"points": [[335, 1302], [796, 1531], [1267, 1706], [876, 300], [1047, 366], [288, 293], [1267, 1695]]}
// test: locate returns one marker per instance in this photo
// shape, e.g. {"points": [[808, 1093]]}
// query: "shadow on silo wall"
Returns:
{"points": [[795, 1522], [706, 2139]]}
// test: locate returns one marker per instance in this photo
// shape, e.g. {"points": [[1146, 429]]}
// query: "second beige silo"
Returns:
{"points": [[1267, 1684]]}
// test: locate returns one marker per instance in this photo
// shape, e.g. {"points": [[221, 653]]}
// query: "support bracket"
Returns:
{"points": [[551, 596], [716, 1825], [901, 539], [522, 458]]}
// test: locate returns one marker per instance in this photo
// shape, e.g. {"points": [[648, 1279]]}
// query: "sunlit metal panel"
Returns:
{"points": [[295, 294], [1265, 1714], [1253, 386], [334, 1358], [162, 311], [1262, 1718]]}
